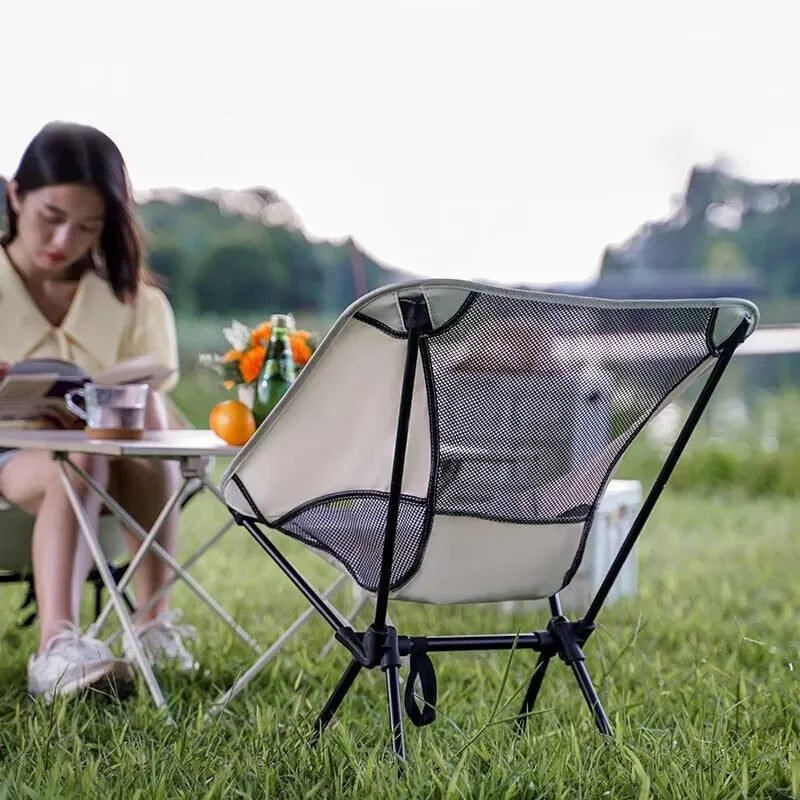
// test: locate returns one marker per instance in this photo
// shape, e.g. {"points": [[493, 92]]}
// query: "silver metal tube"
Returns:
{"points": [[85, 528], [162, 590], [142, 551], [243, 680], [129, 522]]}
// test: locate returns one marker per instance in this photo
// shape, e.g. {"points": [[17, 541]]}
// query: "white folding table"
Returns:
{"points": [[191, 449]]}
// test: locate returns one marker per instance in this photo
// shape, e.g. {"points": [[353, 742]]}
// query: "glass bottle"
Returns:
{"points": [[278, 371]]}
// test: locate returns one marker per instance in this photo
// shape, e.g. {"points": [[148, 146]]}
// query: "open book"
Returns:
{"points": [[37, 386]]}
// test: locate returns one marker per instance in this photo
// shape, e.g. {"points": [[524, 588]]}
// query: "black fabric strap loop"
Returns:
{"points": [[422, 668]]}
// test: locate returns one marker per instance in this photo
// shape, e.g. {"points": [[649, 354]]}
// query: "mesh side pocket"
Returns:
{"points": [[351, 528]]}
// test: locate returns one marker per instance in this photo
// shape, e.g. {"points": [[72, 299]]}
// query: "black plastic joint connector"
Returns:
{"points": [[569, 649], [372, 644], [583, 630], [390, 655], [415, 313]]}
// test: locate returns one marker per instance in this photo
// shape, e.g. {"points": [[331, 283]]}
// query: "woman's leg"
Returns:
{"points": [[142, 487], [31, 481]]}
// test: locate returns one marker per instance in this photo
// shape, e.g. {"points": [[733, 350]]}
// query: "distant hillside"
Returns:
{"points": [[726, 233], [232, 252]]}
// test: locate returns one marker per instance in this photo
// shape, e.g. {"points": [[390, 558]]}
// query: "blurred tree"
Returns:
{"points": [[239, 277], [168, 260], [304, 279], [725, 230], [228, 252], [725, 258]]}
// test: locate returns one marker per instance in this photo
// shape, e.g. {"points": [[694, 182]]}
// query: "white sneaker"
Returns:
{"points": [[162, 642], [71, 662]]}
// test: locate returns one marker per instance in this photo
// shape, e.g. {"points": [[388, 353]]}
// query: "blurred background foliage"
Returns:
{"points": [[724, 233], [245, 254], [228, 253]]}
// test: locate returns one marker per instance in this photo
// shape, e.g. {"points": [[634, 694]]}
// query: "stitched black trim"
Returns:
{"points": [[333, 496], [433, 421], [579, 554], [516, 520], [381, 326], [712, 320], [465, 306], [259, 517], [717, 350], [384, 328], [576, 561]]}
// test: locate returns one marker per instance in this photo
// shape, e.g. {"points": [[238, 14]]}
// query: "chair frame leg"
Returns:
{"points": [[335, 700], [395, 711], [592, 700], [269, 654], [532, 693], [665, 472]]}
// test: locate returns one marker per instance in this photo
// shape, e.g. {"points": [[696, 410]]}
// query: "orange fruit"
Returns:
{"points": [[232, 421]]}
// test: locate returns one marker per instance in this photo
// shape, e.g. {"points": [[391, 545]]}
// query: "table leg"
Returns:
{"points": [[88, 534], [129, 522], [245, 678], [201, 551], [141, 553]]}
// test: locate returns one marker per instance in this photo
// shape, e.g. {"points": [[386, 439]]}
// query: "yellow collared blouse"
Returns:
{"points": [[98, 332]]}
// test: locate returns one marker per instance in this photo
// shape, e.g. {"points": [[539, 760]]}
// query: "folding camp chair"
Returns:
{"points": [[445, 449]]}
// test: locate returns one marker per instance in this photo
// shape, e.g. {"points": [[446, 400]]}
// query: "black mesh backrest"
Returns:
{"points": [[535, 401]]}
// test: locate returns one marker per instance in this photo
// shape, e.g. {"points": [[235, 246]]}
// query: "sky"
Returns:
{"points": [[509, 141]]}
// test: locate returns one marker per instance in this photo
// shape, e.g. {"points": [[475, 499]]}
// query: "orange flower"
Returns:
{"points": [[301, 352], [228, 385], [251, 363], [232, 355], [260, 334]]}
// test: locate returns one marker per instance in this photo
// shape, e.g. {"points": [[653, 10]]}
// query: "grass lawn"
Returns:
{"points": [[699, 676]]}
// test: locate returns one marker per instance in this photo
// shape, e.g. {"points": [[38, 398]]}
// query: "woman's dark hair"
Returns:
{"points": [[68, 153]]}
